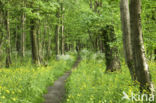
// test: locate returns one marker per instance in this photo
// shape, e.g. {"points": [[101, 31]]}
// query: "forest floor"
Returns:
{"points": [[56, 93]]}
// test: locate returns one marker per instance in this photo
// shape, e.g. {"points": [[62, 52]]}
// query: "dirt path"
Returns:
{"points": [[56, 93]]}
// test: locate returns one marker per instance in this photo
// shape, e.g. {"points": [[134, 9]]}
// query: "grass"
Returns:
{"points": [[89, 84], [28, 83]]}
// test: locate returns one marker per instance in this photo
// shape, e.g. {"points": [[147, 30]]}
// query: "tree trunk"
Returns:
{"points": [[23, 36], [35, 53], [40, 44], [62, 31], [140, 63], [57, 39], [48, 46], [45, 41], [111, 53], [18, 37], [8, 45], [57, 31], [1, 28], [125, 19]]}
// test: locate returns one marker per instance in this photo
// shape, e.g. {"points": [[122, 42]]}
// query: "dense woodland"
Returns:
{"points": [[40, 40]]}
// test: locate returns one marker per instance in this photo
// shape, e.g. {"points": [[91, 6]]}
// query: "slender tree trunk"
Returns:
{"points": [[57, 39], [57, 32], [35, 53], [62, 31], [78, 46], [125, 19], [45, 41], [48, 47], [140, 63], [111, 53], [1, 33], [39, 44], [8, 44], [18, 46], [1, 28], [23, 36]]}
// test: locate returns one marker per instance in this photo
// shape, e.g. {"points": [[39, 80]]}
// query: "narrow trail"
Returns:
{"points": [[56, 93]]}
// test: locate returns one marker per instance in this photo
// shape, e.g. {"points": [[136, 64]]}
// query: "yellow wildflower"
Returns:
{"points": [[14, 99], [3, 97], [78, 95], [68, 100], [8, 91]]}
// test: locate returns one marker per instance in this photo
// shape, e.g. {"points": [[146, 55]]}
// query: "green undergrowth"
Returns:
{"points": [[28, 83], [90, 84]]}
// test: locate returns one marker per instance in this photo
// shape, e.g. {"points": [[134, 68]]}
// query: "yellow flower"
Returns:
{"points": [[8, 91], [78, 95], [91, 98], [14, 99], [100, 101], [67, 100], [3, 97], [69, 96]]}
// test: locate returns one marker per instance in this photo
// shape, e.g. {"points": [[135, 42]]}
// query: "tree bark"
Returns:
{"points": [[18, 46], [33, 35], [57, 31], [48, 46], [125, 19], [1, 28], [8, 45], [45, 41], [111, 53], [140, 63], [23, 36], [62, 31]]}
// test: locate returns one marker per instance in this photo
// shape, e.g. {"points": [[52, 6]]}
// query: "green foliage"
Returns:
{"points": [[27, 84], [149, 25], [79, 20], [90, 84], [24, 83]]}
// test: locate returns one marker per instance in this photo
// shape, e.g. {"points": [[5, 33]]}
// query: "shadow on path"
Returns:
{"points": [[56, 93]]}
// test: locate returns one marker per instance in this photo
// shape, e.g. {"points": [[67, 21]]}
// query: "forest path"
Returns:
{"points": [[56, 93]]}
